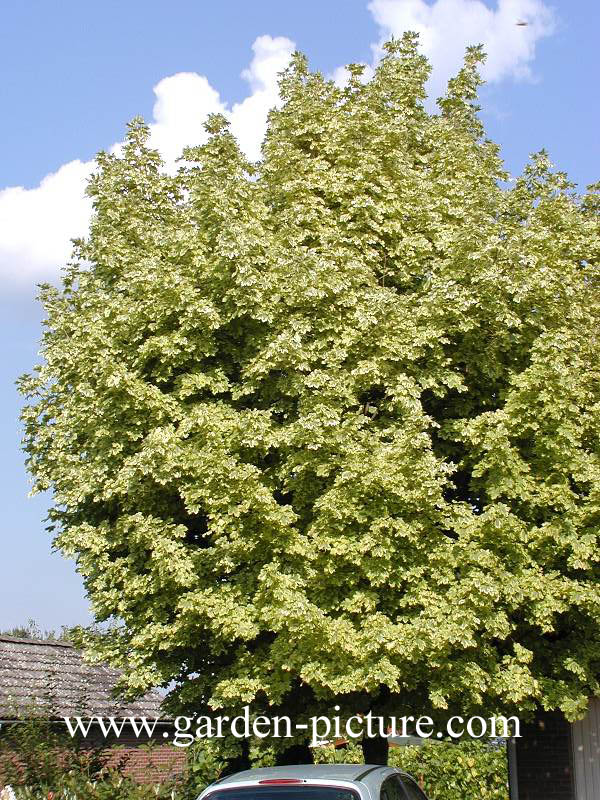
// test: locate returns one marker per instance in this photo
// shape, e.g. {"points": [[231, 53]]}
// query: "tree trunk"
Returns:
{"points": [[295, 754], [238, 763], [375, 750]]}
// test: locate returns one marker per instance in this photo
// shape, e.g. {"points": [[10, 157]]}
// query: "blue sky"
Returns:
{"points": [[74, 73]]}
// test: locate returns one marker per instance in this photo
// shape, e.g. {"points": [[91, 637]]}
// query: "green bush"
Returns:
{"points": [[205, 763], [467, 770], [34, 753], [110, 785], [40, 761]]}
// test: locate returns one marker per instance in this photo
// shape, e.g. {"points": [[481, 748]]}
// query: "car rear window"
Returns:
{"points": [[282, 792]]}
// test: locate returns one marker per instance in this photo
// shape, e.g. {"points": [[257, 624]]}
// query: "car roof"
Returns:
{"points": [[369, 775], [346, 772]]}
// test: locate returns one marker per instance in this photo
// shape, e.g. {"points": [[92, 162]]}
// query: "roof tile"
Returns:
{"points": [[52, 678]]}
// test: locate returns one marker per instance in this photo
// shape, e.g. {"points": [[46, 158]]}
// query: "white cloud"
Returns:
{"points": [[249, 118], [183, 101], [36, 225], [186, 99], [447, 27]]}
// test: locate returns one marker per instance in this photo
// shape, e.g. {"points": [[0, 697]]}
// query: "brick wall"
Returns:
{"points": [[149, 766], [544, 759], [146, 760]]}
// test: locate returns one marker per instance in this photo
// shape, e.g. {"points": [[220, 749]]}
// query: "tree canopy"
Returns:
{"points": [[324, 428]]}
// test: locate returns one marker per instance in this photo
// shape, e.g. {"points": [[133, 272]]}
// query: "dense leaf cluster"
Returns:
{"points": [[468, 770], [325, 428]]}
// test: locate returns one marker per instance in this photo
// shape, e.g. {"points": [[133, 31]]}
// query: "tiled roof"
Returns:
{"points": [[51, 678]]}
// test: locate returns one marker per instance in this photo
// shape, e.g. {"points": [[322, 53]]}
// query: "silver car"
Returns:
{"points": [[316, 782]]}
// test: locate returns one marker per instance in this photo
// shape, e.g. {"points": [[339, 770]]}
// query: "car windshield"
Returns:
{"points": [[302, 792]]}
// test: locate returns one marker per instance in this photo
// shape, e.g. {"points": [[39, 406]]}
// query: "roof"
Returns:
{"points": [[369, 774], [345, 772], [52, 678]]}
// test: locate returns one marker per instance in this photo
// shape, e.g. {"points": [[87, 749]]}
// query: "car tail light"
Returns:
{"points": [[273, 781]]}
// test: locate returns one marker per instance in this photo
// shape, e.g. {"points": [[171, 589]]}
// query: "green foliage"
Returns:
{"points": [[34, 753], [325, 428], [110, 786], [465, 771], [205, 763], [37, 758], [33, 631]]}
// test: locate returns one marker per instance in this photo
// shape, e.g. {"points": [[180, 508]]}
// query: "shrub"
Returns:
{"points": [[467, 770], [34, 753], [109, 785]]}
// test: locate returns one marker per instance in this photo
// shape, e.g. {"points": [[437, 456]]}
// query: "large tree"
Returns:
{"points": [[325, 428]]}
